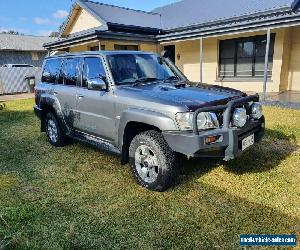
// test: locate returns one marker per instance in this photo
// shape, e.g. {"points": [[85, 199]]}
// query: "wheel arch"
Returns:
{"points": [[48, 104], [136, 121]]}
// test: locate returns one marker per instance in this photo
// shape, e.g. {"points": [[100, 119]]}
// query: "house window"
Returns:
{"points": [[245, 57], [126, 47], [96, 48]]}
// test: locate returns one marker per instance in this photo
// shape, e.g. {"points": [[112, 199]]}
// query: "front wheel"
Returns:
{"points": [[152, 161]]}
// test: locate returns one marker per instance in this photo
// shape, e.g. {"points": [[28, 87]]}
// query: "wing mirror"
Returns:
{"points": [[97, 84]]}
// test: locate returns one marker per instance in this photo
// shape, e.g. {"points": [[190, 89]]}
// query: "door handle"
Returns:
{"points": [[55, 93], [80, 96]]}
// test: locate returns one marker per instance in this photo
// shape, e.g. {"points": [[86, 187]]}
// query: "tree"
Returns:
{"points": [[54, 34], [11, 32]]}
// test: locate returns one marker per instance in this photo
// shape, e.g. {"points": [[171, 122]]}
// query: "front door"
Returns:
{"points": [[95, 108], [171, 50]]}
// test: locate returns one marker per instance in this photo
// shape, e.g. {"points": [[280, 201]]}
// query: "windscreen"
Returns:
{"points": [[130, 68]]}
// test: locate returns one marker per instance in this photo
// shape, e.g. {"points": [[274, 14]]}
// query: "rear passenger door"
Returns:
{"points": [[95, 107], [66, 88]]}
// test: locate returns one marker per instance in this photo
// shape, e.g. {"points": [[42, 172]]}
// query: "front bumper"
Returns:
{"points": [[194, 144]]}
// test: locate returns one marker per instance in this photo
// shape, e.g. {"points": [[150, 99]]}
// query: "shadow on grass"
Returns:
{"points": [[263, 157]]}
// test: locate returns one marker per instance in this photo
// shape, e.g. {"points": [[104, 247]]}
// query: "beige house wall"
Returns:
{"points": [[81, 20], [110, 45], [188, 60], [294, 65]]}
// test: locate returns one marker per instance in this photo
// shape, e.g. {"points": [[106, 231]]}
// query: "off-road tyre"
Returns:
{"points": [[166, 158], [61, 139]]}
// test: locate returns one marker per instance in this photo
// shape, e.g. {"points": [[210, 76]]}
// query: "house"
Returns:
{"points": [[21, 49], [251, 45]]}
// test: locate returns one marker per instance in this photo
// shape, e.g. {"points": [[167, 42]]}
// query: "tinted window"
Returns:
{"points": [[70, 71], [96, 48], [126, 47], [245, 57], [93, 68], [130, 68], [51, 70]]}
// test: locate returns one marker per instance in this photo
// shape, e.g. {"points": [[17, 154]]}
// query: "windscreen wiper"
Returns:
{"points": [[171, 78], [144, 80]]}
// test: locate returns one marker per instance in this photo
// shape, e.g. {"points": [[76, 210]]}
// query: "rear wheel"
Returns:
{"points": [[54, 133], [152, 161]]}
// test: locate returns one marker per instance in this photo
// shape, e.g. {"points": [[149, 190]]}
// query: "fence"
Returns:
{"points": [[12, 80]]}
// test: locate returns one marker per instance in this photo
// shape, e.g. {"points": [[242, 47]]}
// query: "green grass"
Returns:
{"points": [[78, 197]]}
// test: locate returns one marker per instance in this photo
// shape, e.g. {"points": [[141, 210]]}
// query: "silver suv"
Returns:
{"points": [[142, 107]]}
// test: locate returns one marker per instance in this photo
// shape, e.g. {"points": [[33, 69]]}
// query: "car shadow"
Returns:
{"points": [[263, 157]]}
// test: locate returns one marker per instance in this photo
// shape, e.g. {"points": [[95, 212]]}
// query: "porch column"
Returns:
{"points": [[266, 63], [99, 45], [201, 59]]}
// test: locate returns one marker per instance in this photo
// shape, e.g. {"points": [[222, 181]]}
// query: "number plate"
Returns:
{"points": [[247, 142]]}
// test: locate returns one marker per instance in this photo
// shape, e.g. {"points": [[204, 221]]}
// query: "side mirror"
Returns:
{"points": [[97, 84]]}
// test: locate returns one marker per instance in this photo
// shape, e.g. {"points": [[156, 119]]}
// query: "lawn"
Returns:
{"points": [[80, 198]]}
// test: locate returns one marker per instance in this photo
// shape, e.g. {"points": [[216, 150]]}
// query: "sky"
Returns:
{"points": [[41, 17]]}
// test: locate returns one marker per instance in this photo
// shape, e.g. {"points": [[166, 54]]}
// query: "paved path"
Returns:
{"points": [[4, 98]]}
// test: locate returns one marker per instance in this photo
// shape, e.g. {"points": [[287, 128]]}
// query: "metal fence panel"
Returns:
{"points": [[13, 80]]}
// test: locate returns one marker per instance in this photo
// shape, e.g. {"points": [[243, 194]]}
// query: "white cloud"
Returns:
{"points": [[43, 32], [42, 21], [60, 14]]}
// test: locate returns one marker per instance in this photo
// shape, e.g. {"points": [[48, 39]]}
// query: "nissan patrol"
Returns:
{"points": [[142, 107]]}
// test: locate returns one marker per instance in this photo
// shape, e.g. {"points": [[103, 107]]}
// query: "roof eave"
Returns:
{"points": [[98, 35], [134, 28], [82, 4], [206, 31]]}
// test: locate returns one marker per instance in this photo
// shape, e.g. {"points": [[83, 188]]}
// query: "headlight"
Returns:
{"points": [[185, 121], [239, 117], [205, 120], [256, 110]]}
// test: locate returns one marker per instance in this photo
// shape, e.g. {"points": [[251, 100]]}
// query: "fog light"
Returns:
{"points": [[256, 110], [239, 118], [213, 139]]}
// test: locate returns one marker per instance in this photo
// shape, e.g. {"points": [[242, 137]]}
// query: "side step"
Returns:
{"points": [[96, 142]]}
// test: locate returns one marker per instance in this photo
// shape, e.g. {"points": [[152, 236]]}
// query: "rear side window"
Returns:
{"points": [[70, 71], [92, 68], [51, 70]]}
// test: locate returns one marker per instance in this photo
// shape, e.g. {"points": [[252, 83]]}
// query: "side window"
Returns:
{"points": [[51, 70], [92, 68], [70, 71]]}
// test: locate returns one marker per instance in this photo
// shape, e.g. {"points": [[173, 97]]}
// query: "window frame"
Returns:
{"points": [[254, 40], [126, 45], [79, 71], [80, 85]]}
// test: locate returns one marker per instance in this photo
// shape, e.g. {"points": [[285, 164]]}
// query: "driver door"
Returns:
{"points": [[95, 108]]}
